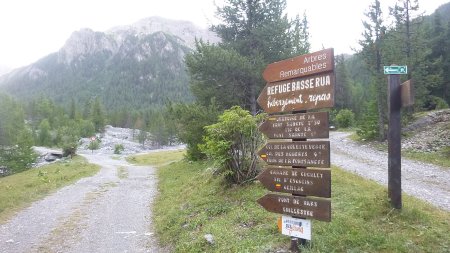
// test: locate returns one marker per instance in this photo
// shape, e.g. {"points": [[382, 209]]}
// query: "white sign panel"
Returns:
{"points": [[295, 227]]}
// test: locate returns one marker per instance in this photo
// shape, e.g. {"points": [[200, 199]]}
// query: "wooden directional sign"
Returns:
{"points": [[311, 182], [311, 92], [296, 126], [302, 207], [407, 93], [303, 65], [297, 153]]}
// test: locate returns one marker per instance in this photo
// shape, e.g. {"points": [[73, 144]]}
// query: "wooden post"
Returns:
{"points": [[294, 243], [394, 142]]}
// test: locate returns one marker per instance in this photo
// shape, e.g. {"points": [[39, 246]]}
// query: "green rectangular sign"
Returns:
{"points": [[395, 70]]}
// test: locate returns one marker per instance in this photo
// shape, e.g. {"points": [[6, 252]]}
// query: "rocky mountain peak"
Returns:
{"points": [[184, 30], [86, 42]]}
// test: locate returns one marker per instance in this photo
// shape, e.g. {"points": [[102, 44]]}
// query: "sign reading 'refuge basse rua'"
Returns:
{"points": [[304, 93]]}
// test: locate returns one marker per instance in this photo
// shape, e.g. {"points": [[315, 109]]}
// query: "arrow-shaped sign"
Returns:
{"points": [[395, 70], [303, 93], [302, 65], [297, 153], [296, 126], [301, 207], [311, 182]]}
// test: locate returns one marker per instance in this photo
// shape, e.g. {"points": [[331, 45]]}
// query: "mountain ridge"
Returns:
{"points": [[137, 65]]}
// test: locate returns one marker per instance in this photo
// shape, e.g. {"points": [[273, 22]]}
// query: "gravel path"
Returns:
{"points": [[109, 212], [425, 181]]}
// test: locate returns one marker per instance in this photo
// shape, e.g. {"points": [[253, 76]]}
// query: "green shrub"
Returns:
{"points": [[69, 149], [345, 118], [118, 149], [93, 145], [232, 144], [368, 125], [191, 120], [440, 103]]}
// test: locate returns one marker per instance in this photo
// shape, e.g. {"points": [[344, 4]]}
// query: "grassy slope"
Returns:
{"points": [[157, 158], [193, 202], [19, 190]]}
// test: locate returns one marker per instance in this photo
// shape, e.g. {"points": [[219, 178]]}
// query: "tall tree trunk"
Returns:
{"points": [[252, 98]]}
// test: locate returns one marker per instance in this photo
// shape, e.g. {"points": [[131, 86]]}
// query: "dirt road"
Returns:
{"points": [[109, 212], [425, 181]]}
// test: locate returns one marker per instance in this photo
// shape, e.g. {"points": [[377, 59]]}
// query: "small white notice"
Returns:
{"points": [[295, 227]]}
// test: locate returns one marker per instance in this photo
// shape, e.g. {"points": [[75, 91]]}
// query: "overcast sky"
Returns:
{"points": [[32, 29]]}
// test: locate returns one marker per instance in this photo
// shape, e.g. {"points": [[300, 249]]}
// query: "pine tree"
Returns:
{"points": [[373, 37], [98, 115], [254, 33]]}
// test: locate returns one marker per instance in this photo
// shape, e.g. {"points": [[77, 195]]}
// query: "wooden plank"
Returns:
{"points": [[310, 182], [296, 126], [304, 93], [407, 93], [301, 207], [297, 153], [394, 143], [303, 65]]}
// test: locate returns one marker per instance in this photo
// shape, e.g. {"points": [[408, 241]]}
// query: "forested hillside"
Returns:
{"points": [[420, 42], [136, 67]]}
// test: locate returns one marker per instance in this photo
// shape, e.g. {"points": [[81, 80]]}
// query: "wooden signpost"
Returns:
{"points": [[304, 93], [294, 126], [407, 93], [310, 182], [297, 153], [313, 208], [295, 85], [303, 65], [398, 95]]}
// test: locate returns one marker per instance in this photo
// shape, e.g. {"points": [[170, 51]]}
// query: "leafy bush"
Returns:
{"points": [[232, 144], [118, 148], [190, 120], [93, 145], [345, 118], [69, 149], [437, 103]]}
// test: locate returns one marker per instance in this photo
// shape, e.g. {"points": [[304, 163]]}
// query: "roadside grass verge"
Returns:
{"points": [[439, 158], [194, 202], [19, 190], [157, 158]]}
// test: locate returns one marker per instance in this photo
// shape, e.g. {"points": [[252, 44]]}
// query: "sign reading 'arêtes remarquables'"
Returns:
{"points": [[303, 65], [296, 126], [304, 93]]}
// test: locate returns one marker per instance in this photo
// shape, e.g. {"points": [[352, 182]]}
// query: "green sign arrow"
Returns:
{"points": [[395, 70]]}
